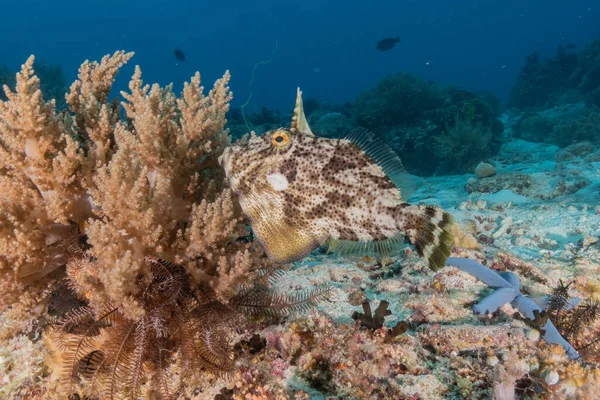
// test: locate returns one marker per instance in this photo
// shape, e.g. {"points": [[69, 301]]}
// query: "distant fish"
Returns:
{"points": [[387, 43], [571, 46], [179, 55]]}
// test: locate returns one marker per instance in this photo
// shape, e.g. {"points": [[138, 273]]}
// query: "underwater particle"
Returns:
{"points": [[301, 192], [179, 55], [387, 43]]}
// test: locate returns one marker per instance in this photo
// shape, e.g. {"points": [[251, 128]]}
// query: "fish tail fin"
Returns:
{"points": [[428, 229]]}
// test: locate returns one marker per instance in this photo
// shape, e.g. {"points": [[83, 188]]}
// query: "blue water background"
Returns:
{"points": [[326, 47]]}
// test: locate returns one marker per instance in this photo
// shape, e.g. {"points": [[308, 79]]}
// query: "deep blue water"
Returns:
{"points": [[475, 44]]}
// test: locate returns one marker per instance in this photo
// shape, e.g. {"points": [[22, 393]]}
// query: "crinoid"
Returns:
{"points": [[182, 332], [575, 321]]}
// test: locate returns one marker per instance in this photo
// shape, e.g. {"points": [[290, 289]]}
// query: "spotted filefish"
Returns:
{"points": [[300, 192]]}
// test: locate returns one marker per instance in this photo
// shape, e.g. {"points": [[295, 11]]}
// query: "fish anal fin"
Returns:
{"points": [[381, 248], [386, 158], [299, 122]]}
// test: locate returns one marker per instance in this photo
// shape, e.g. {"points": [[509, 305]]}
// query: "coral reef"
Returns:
{"points": [[585, 127], [333, 125], [563, 126], [567, 77], [182, 333], [541, 83], [399, 100], [411, 114]]}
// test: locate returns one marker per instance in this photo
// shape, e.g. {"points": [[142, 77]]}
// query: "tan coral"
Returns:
{"points": [[88, 189], [463, 239]]}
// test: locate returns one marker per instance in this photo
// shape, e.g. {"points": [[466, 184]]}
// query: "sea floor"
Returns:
{"points": [[538, 216]]}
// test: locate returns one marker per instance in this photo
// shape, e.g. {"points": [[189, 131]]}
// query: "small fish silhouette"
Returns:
{"points": [[387, 43], [179, 55]]}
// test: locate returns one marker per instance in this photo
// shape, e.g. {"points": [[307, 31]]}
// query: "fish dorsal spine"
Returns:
{"points": [[299, 122]]}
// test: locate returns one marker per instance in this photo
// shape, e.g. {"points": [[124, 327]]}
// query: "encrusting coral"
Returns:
{"points": [[135, 206]]}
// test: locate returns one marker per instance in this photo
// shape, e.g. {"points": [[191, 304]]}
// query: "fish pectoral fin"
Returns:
{"points": [[284, 242]]}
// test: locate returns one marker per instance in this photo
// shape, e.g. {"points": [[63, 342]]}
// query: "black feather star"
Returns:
{"points": [[110, 355], [575, 324]]}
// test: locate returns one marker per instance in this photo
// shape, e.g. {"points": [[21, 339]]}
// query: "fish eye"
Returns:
{"points": [[280, 139]]}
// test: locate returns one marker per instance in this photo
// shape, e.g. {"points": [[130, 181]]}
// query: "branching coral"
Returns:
{"points": [[42, 204], [103, 192], [376, 321]]}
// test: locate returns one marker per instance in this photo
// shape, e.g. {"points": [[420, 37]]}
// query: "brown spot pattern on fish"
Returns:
{"points": [[300, 191]]}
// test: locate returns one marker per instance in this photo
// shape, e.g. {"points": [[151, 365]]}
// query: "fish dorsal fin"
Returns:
{"points": [[386, 158], [299, 122]]}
